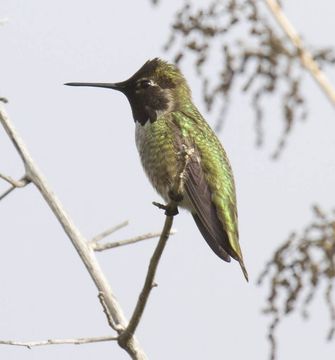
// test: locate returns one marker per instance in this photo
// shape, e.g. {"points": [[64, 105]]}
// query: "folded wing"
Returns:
{"points": [[205, 214]]}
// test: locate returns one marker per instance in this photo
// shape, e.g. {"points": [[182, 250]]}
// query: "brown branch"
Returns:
{"points": [[78, 240], [78, 341], [148, 284], [305, 56], [171, 210]]}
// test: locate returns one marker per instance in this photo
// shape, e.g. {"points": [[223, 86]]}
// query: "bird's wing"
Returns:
{"points": [[205, 214], [214, 207]]}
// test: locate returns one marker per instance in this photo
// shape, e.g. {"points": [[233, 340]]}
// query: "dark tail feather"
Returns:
{"points": [[211, 241], [244, 270], [217, 247]]}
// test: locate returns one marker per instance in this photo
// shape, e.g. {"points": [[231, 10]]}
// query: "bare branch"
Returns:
{"points": [[78, 240], [108, 232], [133, 240], [110, 320], [7, 192], [171, 210], [78, 341], [306, 57], [15, 183], [148, 284]]}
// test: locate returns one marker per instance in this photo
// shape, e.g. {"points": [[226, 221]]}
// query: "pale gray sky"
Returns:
{"points": [[83, 141]]}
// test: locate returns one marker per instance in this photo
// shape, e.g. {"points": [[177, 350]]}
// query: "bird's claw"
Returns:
{"points": [[169, 210]]}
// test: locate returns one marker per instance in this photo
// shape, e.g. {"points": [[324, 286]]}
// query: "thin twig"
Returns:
{"points": [[305, 56], [7, 192], [133, 240], [16, 183], [149, 283], [78, 240], [78, 341], [108, 232]]}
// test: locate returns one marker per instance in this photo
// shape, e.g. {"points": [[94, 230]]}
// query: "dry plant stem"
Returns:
{"points": [[85, 252], [149, 280], [78, 341], [7, 192], [148, 284], [305, 56], [108, 232], [112, 245], [15, 183]]}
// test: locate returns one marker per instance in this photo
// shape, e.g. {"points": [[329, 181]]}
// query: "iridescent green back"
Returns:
{"points": [[216, 167], [159, 146]]}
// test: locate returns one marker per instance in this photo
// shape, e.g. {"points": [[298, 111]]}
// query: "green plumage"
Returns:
{"points": [[167, 122], [159, 147], [217, 170]]}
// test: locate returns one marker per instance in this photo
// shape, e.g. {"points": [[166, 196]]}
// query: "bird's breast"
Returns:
{"points": [[158, 154]]}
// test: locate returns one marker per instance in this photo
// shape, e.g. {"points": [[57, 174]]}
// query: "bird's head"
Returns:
{"points": [[155, 89]]}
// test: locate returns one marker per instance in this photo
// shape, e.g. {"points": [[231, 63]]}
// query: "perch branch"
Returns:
{"points": [[78, 341], [171, 208], [79, 242], [306, 57], [148, 284]]}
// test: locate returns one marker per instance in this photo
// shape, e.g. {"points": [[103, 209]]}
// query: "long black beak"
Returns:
{"points": [[120, 86]]}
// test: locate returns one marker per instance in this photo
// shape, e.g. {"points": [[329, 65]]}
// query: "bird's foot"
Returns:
{"points": [[169, 210]]}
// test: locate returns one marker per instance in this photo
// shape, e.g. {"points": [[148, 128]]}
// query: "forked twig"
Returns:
{"points": [[78, 240], [14, 184]]}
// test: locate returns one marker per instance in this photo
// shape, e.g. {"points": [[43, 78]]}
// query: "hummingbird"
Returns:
{"points": [[167, 122]]}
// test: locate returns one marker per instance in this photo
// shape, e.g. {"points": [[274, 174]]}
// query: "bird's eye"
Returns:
{"points": [[144, 83]]}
